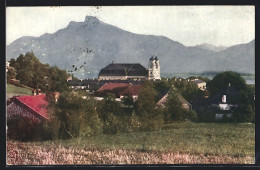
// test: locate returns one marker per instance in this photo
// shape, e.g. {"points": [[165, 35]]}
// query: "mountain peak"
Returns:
{"points": [[91, 19]]}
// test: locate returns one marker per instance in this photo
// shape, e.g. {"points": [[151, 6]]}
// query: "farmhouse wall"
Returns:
{"points": [[17, 109]]}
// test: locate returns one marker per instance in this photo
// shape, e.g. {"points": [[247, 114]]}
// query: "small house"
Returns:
{"points": [[185, 104], [32, 107], [226, 100], [120, 90], [200, 84]]}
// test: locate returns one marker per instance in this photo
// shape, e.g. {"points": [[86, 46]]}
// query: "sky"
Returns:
{"points": [[189, 25]]}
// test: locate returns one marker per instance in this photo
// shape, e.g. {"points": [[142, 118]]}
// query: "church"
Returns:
{"points": [[134, 71]]}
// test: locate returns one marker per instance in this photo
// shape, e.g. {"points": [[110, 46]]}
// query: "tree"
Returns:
{"points": [[11, 74], [31, 72], [188, 90], [109, 111], [78, 117], [173, 108], [244, 113], [146, 103], [245, 100], [222, 80]]}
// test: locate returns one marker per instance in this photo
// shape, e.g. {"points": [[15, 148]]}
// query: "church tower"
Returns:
{"points": [[154, 69]]}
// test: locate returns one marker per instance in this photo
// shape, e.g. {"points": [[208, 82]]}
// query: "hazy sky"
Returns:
{"points": [[189, 25]]}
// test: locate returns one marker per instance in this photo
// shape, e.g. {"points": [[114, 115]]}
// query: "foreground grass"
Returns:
{"points": [[17, 90], [179, 143]]}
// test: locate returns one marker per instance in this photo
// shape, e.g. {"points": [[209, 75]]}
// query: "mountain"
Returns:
{"points": [[240, 58], [97, 44], [211, 47]]}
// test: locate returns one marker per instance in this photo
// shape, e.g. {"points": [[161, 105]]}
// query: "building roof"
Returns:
{"points": [[197, 81], [163, 99], [232, 96], [112, 86], [116, 88], [37, 104], [132, 90], [117, 69]]}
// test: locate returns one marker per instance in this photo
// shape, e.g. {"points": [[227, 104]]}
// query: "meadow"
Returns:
{"points": [[12, 90], [177, 143]]}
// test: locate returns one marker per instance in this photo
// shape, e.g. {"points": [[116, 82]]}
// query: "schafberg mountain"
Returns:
{"points": [[95, 44]]}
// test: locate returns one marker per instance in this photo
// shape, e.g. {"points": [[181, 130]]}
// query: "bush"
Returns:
{"points": [[77, 117], [21, 128], [244, 113], [206, 115]]}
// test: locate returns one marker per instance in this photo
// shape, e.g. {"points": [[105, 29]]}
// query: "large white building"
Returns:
{"points": [[135, 71]]}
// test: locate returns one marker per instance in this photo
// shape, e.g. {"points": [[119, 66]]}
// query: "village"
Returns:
{"points": [[124, 98], [125, 80], [120, 79]]}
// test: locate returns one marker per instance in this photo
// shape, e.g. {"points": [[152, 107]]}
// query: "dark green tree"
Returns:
{"points": [[31, 72], [77, 117], [146, 103], [244, 113], [173, 108], [222, 80]]}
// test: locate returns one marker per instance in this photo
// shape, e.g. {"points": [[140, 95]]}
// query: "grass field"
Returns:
{"points": [[179, 143], [12, 90]]}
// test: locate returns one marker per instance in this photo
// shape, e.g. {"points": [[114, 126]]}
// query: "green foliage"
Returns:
{"points": [[78, 117], [21, 128], [188, 90], [11, 74], [206, 115], [128, 101], [222, 80], [246, 102], [146, 103], [160, 87], [31, 72], [173, 109], [244, 113]]}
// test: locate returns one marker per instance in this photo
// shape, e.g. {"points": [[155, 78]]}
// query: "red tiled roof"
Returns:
{"points": [[36, 103], [132, 90], [112, 86]]}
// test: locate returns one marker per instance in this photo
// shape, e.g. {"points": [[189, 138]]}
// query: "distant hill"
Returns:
{"points": [[98, 44], [211, 47]]}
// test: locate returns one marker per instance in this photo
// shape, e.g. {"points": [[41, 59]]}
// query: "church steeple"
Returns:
{"points": [[154, 69]]}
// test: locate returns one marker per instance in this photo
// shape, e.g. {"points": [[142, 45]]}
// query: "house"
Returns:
{"points": [[226, 100], [77, 84], [119, 89], [115, 88], [70, 78], [132, 91], [185, 104], [201, 84], [33, 107], [134, 71]]}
